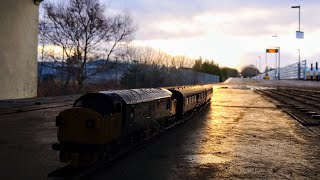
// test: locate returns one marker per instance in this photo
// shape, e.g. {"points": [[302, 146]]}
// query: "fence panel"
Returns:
{"points": [[288, 72]]}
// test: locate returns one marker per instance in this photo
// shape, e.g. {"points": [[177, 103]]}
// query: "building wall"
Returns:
{"points": [[18, 49]]}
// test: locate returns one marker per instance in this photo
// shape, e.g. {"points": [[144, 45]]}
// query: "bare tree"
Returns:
{"points": [[183, 61], [127, 53], [82, 29]]}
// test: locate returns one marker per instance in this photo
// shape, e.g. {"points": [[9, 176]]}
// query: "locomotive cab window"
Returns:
{"points": [[118, 107], [97, 102]]}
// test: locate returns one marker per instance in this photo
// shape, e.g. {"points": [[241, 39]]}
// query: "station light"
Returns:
{"points": [[272, 50]]}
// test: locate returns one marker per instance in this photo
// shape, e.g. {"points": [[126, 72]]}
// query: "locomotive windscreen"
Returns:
{"points": [[101, 103]]}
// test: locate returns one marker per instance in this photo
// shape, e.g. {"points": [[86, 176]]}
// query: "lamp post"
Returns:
{"points": [[267, 69], [260, 65], [257, 67], [299, 33], [279, 63], [299, 36], [278, 68], [299, 14], [299, 65]]}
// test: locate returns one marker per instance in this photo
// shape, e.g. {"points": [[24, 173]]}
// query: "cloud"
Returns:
{"points": [[155, 19], [232, 32]]}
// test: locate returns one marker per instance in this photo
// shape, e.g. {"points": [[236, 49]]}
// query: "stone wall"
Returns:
{"points": [[18, 49]]}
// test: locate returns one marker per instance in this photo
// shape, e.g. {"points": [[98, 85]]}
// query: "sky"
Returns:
{"points": [[233, 33]]}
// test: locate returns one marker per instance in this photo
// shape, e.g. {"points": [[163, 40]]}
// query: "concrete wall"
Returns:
{"points": [[18, 49]]}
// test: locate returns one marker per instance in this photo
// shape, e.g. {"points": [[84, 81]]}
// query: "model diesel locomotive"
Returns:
{"points": [[100, 123]]}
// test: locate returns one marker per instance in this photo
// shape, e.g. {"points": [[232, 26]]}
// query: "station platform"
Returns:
{"points": [[301, 84], [240, 135]]}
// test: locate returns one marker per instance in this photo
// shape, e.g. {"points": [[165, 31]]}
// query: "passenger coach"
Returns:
{"points": [[190, 97]]}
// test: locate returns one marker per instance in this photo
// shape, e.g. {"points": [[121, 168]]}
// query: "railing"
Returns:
{"points": [[288, 72]]}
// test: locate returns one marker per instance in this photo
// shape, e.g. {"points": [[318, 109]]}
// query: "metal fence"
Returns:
{"points": [[288, 72], [116, 70]]}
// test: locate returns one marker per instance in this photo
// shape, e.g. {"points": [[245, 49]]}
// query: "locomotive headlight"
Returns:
{"points": [[90, 124], [59, 121]]}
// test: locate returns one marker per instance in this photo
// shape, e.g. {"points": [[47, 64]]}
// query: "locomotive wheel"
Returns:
{"points": [[80, 159]]}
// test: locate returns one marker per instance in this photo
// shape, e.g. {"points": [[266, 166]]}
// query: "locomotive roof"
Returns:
{"points": [[134, 96]]}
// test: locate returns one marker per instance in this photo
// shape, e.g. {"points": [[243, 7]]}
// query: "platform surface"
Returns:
{"points": [[240, 135]]}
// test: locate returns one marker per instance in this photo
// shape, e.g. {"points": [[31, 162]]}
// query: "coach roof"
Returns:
{"points": [[134, 96]]}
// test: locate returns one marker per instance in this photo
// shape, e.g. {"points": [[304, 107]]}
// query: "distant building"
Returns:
{"points": [[114, 70]]}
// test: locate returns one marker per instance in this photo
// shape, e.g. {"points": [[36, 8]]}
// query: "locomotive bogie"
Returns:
{"points": [[80, 159]]}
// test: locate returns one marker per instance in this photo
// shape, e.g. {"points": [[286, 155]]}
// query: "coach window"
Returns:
{"points": [[132, 111], [168, 104]]}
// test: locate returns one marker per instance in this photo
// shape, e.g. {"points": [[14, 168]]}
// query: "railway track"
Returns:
{"points": [[35, 107], [301, 104], [75, 173], [35, 104]]}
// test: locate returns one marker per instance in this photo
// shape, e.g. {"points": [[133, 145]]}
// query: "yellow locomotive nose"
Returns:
{"points": [[80, 125]]}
